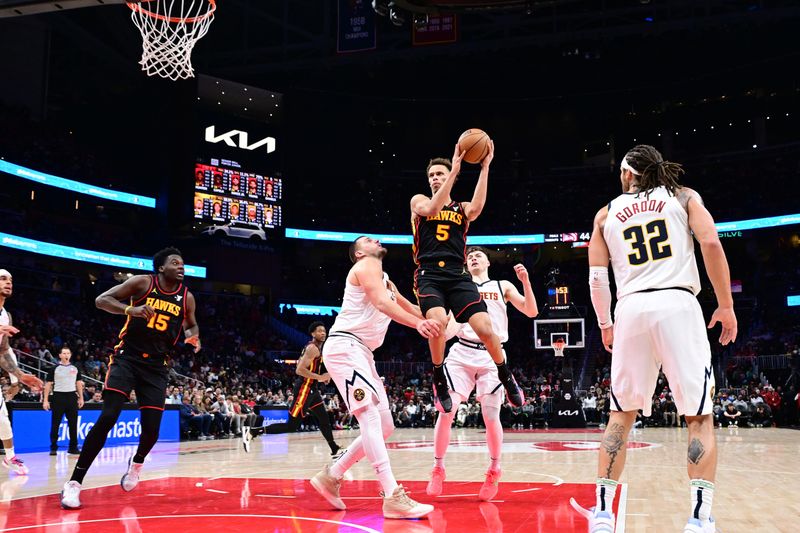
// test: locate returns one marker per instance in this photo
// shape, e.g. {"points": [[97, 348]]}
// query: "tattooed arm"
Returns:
{"points": [[9, 364]]}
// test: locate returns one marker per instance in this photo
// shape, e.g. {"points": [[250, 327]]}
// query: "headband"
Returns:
{"points": [[4, 272], [626, 166]]}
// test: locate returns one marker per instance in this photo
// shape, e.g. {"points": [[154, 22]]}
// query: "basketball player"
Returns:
{"points": [[8, 362], [441, 281], [307, 398], [647, 234], [370, 303], [469, 365], [157, 307]]}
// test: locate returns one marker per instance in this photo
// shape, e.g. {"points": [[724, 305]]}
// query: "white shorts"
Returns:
{"points": [[661, 329], [469, 368], [352, 368]]}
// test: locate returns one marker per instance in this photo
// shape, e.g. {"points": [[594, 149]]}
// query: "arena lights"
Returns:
{"points": [[303, 309], [577, 239], [88, 256], [793, 301], [75, 186]]}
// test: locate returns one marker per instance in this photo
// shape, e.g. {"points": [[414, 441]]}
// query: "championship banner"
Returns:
{"points": [[439, 29], [356, 30]]}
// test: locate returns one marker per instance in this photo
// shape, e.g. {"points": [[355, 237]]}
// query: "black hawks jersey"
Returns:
{"points": [[156, 336], [315, 367], [441, 237]]}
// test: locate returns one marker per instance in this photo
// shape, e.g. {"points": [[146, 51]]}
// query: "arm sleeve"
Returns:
{"points": [[600, 289]]}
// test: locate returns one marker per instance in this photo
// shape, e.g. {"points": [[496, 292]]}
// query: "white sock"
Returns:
{"points": [[494, 434], [441, 434], [354, 453], [9, 452], [606, 490], [372, 440], [702, 493]]}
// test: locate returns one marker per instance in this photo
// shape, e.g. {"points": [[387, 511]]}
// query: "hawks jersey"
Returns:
{"points": [[650, 243], [441, 237], [360, 318], [315, 367], [492, 295], [156, 336]]}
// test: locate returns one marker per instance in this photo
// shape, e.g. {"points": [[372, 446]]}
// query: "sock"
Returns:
{"points": [[354, 453], [78, 474], [702, 493], [494, 434], [441, 433], [605, 491], [9, 452]]}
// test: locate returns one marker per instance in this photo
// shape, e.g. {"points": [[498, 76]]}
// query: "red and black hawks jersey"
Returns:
{"points": [[441, 237], [315, 367], [156, 336]]}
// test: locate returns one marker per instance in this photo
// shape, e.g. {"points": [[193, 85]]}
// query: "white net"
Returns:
{"points": [[170, 29], [558, 348]]}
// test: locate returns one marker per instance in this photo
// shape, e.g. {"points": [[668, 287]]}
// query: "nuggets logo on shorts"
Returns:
{"points": [[358, 394]]}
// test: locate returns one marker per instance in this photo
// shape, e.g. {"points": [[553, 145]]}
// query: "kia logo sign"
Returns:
{"points": [[243, 137]]}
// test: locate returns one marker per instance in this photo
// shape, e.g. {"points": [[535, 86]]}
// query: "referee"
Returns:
{"points": [[65, 382]]}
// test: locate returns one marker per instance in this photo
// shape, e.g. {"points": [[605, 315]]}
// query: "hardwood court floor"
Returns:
{"points": [[216, 486]]}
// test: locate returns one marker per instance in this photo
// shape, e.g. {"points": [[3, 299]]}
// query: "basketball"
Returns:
{"points": [[475, 145]]}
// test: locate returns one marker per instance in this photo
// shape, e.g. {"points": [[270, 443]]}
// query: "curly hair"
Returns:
{"points": [[653, 170]]}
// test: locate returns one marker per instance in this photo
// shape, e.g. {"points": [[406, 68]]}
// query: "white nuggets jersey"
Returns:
{"points": [[492, 295], [4, 321], [650, 243], [360, 318]]}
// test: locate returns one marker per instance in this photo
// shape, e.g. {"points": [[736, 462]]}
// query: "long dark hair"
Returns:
{"points": [[653, 169]]}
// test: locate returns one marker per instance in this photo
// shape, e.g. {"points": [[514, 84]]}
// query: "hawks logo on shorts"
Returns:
{"points": [[358, 394]]}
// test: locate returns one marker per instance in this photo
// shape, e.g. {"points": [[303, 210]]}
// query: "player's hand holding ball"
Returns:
{"points": [[522, 272], [458, 155], [487, 160]]}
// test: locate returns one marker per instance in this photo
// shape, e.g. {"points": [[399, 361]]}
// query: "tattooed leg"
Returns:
{"points": [[614, 445], [702, 451]]}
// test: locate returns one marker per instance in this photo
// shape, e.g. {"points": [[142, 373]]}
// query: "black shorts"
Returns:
{"points": [[451, 288], [305, 397], [148, 379]]}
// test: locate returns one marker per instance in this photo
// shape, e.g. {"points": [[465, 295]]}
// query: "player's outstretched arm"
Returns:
{"points": [[369, 273], [702, 225], [599, 284], [405, 304], [423, 206], [525, 302], [474, 207], [191, 330], [113, 300]]}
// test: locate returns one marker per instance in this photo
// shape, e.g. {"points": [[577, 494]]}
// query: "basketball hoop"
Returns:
{"points": [[170, 29], [558, 348]]}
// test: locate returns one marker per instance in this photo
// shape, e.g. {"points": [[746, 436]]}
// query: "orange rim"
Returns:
{"points": [[137, 6]]}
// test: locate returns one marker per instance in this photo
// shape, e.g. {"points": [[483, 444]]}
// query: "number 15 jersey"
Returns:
{"points": [[156, 336], [650, 243]]}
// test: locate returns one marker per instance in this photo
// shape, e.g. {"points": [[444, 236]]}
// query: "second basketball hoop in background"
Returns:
{"points": [[170, 29]]}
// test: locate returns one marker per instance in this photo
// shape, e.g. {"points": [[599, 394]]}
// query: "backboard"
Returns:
{"points": [[570, 330]]}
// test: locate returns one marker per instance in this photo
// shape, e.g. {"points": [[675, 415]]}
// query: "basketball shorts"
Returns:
{"points": [[450, 288], [661, 329], [128, 373], [468, 368], [306, 396], [352, 368]]}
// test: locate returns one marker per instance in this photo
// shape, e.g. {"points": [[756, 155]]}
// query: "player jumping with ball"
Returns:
{"points": [[441, 281]]}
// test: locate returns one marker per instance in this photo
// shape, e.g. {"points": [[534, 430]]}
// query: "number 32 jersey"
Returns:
{"points": [[156, 336], [650, 243]]}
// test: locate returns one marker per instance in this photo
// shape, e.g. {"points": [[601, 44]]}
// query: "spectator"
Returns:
{"points": [[761, 417], [731, 415], [590, 407], [670, 412], [190, 416]]}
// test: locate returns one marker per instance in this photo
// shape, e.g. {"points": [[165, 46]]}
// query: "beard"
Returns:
{"points": [[381, 253]]}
